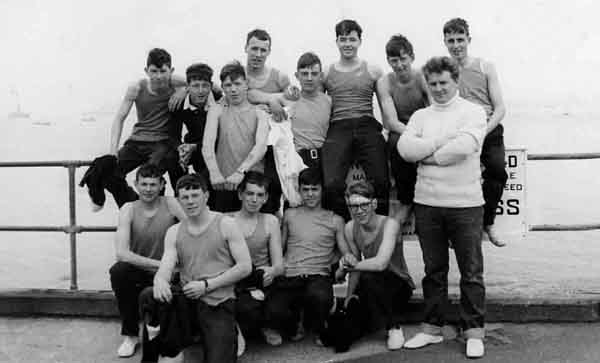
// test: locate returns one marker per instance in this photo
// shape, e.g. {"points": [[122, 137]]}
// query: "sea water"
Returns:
{"points": [[557, 191]]}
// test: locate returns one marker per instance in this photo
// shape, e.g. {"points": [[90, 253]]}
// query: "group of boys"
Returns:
{"points": [[223, 228]]}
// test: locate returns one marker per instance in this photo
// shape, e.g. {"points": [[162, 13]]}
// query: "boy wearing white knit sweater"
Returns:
{"points": [[445, 140]]}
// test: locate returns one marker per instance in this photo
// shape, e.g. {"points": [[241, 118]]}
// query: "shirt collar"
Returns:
{"points": [[188, 105]]}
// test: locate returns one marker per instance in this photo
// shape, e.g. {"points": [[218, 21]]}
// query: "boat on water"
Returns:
{"points": [[87, 118], [18, 114], [42, 123]]}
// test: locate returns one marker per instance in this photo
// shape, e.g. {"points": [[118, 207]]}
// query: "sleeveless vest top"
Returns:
{"points": [[397, 263], [310, 121], [258, 243], [473, 86], [148, 233], [271, 85], [351, 92], [311, 243], [237, 136], [152, 114], [407, 97], [204, 256]]}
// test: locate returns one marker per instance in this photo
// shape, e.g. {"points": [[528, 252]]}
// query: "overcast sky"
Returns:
{"points": [[68, 57]]}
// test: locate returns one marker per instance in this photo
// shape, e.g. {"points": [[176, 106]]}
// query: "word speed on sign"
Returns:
{"points": [[511, 215]]}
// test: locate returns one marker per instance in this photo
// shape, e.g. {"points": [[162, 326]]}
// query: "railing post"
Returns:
{"points": [[72, 226]]}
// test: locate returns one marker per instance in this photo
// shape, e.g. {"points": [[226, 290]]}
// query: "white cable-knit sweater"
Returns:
{"points": [[445, 140]]}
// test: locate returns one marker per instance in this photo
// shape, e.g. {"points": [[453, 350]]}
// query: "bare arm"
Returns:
{"points": [[162, 290], [275, 249], [239, 252], [381, 260], [386, 104], [175, 208], [496, 97], [122, 242], [260, 147], [256, 97], [284, 229], [340, 239], [423, 84], [178, 81], [275, 101], [208, 144], [275, 252], [119, 120], [354, 275]]}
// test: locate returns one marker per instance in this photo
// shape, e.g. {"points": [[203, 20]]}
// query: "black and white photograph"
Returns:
{"points": [[315, 181]]}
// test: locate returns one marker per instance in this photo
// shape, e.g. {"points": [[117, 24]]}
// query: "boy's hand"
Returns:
{"points": [[177, 99]]}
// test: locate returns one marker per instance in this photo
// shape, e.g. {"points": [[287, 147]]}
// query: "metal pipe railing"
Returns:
{"points": [[72, 228], [564, 156]]}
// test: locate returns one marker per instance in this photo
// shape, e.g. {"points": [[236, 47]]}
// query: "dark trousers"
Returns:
{"points": [[274, 202], [348, 141], [463, 227], [494, 173], [224, 201], [215, 326], [249, 313], [289, 295], [135, 153], [384, 296], [312, 158], [127, 282], [404, 172]]}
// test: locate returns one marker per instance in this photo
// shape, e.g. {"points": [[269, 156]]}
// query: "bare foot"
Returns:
{"points": [[493, 236]]}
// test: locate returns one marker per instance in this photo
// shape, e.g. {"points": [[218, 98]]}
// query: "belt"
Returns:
{"points": [[310, 153]]}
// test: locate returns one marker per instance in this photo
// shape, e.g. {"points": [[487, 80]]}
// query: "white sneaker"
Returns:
{"points": [[272, 337], [241, 342], [475, 348], [422, 339], [395, 339], [127, 348]]}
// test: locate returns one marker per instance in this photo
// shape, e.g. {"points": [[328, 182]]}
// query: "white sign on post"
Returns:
{"points": [[511, 215]]}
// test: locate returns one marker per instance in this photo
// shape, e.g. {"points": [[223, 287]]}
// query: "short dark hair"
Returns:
{"points": [[233, 70], [310, 176], [398, 44], [259, 34], [456, 25], [158, 57], [308, 59], [192, 181], [256, 178], [439, 65], [199, 72], [362, 188], [149, 170], [346, 27]]}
